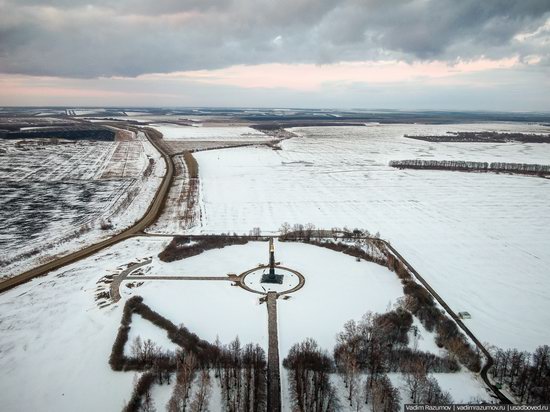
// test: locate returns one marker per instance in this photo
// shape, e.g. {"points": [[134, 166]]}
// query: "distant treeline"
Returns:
{"points": [[61, 133], [461, 165], [484, 137]]}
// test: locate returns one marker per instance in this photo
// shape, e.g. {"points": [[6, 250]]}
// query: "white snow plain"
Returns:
{"points": [[172, 131], [52, 326], [481, 240]]}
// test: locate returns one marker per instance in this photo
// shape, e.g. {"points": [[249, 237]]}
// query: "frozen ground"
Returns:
{"points": [[480, 239], [464, 387], [180, 211], [55, 197], [337, 289], [178, 139], [55, 342], [51, 326], [143, 329], [332, 280], [177, 132]]}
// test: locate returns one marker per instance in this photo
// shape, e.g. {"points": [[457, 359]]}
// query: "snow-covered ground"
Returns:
{"points": [[464, 387], [52, 326], [481, 240], [234, 133], [337, 289], [55, 341], [332, 280], [144, 330], [180, 210], [54, 198]]}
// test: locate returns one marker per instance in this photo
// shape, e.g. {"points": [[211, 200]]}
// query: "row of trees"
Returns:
{"points": [[308, 232], [145, 355], [422, 304], [526, 374], [439, 164], [186, 375], [520, 168], [182, 247], [192, 192], [379, 344], [372, 250], [309, 370], [241, 370], [381, 394], [243, 376], [418, 300], [364, 353], [421, 387], [484, 137]]}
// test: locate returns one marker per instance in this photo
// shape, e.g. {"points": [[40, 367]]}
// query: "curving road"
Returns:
{"points": [[150, 216], [503, 398]]}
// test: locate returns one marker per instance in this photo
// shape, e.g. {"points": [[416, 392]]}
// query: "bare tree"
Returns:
{"points": [[187, 365], [309, 369], [385, 398], [415, 379], [308, 230], [284, 229], [202, 395]]}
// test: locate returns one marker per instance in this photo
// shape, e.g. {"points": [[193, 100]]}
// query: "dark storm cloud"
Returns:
{"points": [[127, 38]]}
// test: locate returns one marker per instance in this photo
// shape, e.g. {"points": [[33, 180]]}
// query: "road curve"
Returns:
{"points": [[503, 398], [150, 216]]}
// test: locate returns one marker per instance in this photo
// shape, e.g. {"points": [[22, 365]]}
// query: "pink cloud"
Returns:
{"points": [[310, 77]]}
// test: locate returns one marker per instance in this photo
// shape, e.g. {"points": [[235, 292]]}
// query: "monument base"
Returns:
{"points": [[272, 278]]}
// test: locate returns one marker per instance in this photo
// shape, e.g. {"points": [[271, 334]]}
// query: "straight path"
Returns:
{"points": [[153, 212], [227, 278], [273, 372]]}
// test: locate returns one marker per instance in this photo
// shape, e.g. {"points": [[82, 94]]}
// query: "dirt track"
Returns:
{"points": [[150, 216]]}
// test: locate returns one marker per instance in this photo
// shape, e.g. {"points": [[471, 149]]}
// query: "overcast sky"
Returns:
{"points": [[409, 54]]}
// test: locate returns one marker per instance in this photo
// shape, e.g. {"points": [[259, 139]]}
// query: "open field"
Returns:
{"points": [[60, 196], [178, 139], [450, 226], [32, 335], [177, 132], [480, 240], [180, 211]]}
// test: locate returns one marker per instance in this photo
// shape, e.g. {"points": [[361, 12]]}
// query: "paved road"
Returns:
{"points": [[143, 278], [117, 280], [151, 215]]}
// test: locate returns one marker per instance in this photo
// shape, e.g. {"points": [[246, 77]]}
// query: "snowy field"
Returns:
{"points": [[52, 326], [177, 132], [180, 210], [331, 277], [55, 197], [463, 387], [481, 240]]}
